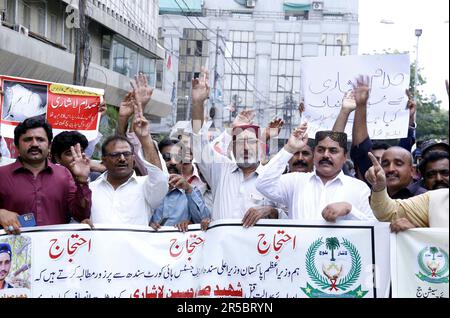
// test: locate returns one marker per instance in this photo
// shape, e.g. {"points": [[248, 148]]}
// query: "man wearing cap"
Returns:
{"points": [[325, 193], [5, 265], [433, 145], [232, 181]]}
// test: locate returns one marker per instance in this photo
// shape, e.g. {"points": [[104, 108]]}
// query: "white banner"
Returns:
{"points": [[275, 259], [420, 264], [325, 80]]}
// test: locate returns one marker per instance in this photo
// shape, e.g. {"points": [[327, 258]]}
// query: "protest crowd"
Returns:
{"points": [[189, 179]]}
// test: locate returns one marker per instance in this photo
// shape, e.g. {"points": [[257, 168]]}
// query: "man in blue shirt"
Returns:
{"points": [[183, 203]]}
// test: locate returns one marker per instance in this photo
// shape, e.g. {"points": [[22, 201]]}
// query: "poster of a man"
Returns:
{"points": [[5, 265], [23, 100], [15, 262]]}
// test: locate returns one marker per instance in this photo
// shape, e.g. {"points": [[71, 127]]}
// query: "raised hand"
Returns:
{"points": [[200, 87], [102, 107], [361, 90], [245, 117], [274, 128], [349, 102], [375, 175], [301, 107], [179, 182], [142, 92], [412, 106], [80, 166], [126, 108], [141, 125], [298, 139]]}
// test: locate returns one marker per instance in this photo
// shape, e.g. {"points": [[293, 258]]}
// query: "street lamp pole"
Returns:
{"points": [[416, 79]]}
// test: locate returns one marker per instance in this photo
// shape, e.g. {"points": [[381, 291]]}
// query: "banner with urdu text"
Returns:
{"points": [[420, 264], [274, 259]]}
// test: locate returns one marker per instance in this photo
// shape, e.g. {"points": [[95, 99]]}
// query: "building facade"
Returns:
{"points": [[254, 51], [37, 40]]}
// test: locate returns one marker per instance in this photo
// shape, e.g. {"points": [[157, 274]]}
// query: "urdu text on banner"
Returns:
{"points": [[65, 107], [282, 259], [325, 81]]}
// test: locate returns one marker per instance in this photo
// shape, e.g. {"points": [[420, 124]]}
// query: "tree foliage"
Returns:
{"points": [[432, 121]]}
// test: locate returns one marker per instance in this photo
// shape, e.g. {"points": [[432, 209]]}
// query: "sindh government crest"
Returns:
{"points": [[334, 268], [434, 265]]}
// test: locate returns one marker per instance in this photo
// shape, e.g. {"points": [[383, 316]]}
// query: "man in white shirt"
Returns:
{"points": [[232, 181], [325, 193], [121, 197]]}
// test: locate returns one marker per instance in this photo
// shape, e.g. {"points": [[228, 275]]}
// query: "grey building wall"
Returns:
{"points": [[331, 31]]}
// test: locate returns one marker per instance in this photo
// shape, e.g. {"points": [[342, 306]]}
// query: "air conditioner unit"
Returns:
{"points": [[251, 3], [318, 6], [21, 29]]}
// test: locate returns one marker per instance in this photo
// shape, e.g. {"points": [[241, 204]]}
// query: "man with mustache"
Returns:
{"points": [[434, 170], [184, 203], [232, 181], [35, 185], [303, 160], [5, 265], [119, 195], [325, 193], [397, 164], [426, 210]]}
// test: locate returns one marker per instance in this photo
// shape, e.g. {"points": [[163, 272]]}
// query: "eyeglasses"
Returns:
{"points": [[168, 156], [117, 155]]}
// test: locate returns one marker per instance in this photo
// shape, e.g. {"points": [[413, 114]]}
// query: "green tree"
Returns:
{"points": [[432, 121], [332, 243]]}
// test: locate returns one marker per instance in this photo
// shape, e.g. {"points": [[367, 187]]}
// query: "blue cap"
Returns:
{"points": [[5, 248]]}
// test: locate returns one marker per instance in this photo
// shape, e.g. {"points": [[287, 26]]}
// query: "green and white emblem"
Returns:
{"points": [[334, 268], [434, 265]]}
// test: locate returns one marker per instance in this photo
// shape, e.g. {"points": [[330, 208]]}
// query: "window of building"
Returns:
{"points": [[285, 75], [334, 45], [239, 79], [193, 55]]}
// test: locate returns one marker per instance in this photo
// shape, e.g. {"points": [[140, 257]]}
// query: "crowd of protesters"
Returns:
{"points": [[187, 178]]}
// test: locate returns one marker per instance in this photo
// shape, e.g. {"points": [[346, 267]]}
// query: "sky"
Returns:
{"points": [[405, 16]]}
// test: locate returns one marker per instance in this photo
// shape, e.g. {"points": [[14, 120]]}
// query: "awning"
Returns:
{"points": [[187, 6], [293, 6]]}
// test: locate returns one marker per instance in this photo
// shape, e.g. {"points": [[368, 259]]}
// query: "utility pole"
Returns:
{"points": [[212, 112], [82, 49]]}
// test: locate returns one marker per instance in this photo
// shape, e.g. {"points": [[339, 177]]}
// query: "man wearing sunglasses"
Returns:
{"points": [[184, 203]]}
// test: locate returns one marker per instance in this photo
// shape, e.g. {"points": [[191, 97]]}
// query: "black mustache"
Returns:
{"points": [[33, 149], [300, 163], [325, 161], [440, 185], [395, 174], [173, 169]]}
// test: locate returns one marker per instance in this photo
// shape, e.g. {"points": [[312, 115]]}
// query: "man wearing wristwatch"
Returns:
{"points": [[35, 185]]}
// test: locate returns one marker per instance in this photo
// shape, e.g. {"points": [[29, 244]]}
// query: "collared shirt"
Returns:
{"points": [[131, 203], [180, 206], [410, 191], [427, 210], [233, 194], [306, 196], [53, 196]]}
